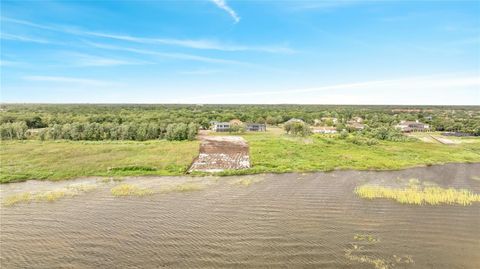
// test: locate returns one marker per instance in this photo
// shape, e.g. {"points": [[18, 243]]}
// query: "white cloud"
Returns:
{"points": [[70, 80], [203, 44], [223, 5], [80, 59], [194, 43], [179, 56], [6, 36]]}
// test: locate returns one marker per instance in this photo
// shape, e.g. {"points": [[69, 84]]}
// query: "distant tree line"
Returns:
{"points": [[101, 131], [141, 122]]}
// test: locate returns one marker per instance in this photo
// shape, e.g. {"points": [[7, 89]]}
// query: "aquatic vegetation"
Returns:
{"points": [[365, 237], [110, 179], [418, 195], [48, 196], [51, 196], [130, 190], [186, 187], [247, 181], [377, 262], [82, 187], [406, 259], [476, 178], [104, 180], [18, 198], [356, 253]]}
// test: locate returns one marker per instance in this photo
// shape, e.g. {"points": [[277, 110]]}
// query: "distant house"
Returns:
{"points": [[227, 126], [256, 127], [324, 130], [412, 126], [220, 126]]}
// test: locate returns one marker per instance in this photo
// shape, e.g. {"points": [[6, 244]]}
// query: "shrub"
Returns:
{"points": [[14, 130], [181, 131], [297, 128]]}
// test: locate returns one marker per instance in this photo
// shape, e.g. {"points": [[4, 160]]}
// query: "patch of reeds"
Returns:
{"points": [[185, 187], [365, 237], [476, 178], [130, 190], [18, 198], [377, 262], [418, 195], [48, 196]]}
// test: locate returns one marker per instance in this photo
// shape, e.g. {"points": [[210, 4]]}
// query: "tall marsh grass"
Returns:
{"points": [[418, 195]]}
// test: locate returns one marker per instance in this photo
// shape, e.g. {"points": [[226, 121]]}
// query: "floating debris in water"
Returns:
{"points": [[419, 195]]}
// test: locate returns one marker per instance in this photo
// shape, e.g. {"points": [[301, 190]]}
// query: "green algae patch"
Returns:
{"points": [[418, 195]]}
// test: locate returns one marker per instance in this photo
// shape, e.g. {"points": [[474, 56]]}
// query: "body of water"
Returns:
{"points": [[309, 220]]}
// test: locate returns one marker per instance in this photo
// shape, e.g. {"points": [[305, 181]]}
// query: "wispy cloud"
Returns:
{"points": [[70, 80], [22, 38], [193, 43], [223, 5], [80, 59], [173, 55], [203, 44]]}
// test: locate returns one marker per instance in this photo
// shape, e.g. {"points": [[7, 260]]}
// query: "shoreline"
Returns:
{"points": [[223, 175]]}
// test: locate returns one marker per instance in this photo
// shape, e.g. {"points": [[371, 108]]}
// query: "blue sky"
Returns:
{"points": [[312, 52]]}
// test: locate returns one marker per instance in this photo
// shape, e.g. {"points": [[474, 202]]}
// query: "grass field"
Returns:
{"points": [[270, 152], [32, 159]]}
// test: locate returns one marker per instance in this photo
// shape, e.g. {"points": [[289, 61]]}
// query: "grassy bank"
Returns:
{"points": [[272, 152], [55, 160]]}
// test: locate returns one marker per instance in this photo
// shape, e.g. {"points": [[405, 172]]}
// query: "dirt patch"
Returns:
{"points": [[218, 153]]}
